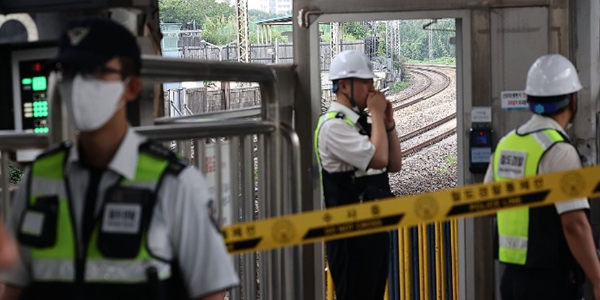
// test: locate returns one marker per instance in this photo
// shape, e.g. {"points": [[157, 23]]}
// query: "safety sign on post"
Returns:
{"points": [[391, 213], [514, 100]]}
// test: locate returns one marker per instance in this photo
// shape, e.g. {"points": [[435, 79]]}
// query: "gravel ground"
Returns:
{"points": [[435, 167]]}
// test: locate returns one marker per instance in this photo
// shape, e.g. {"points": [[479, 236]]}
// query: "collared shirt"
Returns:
{"points": [[181, 215], [561, 157], [340, 145]]}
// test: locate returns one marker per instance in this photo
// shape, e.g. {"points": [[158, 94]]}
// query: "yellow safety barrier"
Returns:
{"points": [[391, 213]]}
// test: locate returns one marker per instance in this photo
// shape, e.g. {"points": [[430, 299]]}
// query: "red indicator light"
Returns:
{"points": [[481, 133], [37, 67]]}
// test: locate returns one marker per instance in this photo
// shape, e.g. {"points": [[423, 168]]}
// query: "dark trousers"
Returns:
{"points": [[359, 266], [522, 283]]}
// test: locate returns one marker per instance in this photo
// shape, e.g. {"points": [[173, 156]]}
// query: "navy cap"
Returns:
{"points": [[90, 42]]}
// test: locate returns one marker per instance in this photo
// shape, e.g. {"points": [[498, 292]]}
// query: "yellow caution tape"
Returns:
{"points": [[391, 213]]}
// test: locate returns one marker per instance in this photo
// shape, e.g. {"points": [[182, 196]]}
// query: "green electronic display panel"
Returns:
{"points": [[34, 97]]}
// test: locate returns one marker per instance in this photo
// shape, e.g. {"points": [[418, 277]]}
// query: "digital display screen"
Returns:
{"points": [[481, 140], [34, 98]]}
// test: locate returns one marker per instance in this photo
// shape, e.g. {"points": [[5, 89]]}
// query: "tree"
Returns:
{"points": [[255, 15], [354, 31], [219, 30], [415, 40], [180, 11]]}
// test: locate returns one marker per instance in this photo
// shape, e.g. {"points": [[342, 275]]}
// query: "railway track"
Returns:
{"points": [[429, 142], [439, 87], [429, 127]]}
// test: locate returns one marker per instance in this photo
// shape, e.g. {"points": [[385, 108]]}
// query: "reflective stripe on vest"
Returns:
{"points": [[332, 115], [518, 156], [57, 263], [328, 116]]}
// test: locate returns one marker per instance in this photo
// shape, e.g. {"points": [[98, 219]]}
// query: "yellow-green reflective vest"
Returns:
{"points": [[531, 237], [58, 265], [341, 188]]}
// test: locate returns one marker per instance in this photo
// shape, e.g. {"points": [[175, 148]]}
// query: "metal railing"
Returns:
{"points": [[269, 167]]}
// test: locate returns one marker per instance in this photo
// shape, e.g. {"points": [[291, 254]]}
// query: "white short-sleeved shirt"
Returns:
{"points": [[561, 157], [181, 214], [340, 146]]}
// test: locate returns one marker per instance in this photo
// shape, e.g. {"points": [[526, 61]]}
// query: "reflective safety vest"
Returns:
{"points": [[116, 263], [531, 237], [340, 188]]}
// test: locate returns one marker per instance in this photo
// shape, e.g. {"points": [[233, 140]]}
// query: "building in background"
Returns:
{"points": [[272, 6], [283, 6]]}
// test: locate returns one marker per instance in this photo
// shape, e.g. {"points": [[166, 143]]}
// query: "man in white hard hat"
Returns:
{"points": [[544, 249], [355, 158]]}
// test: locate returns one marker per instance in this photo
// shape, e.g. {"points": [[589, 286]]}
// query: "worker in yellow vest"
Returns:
{"points": [[545, 249], [355, 157]]}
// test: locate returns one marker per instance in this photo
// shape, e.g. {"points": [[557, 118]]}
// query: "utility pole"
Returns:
{"points": [[430, 46], [243, 32], [336, 38]]}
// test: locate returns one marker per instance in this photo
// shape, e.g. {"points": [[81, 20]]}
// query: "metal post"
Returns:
{"points": [[247, 198], [218, 180], [234, 191], [5, 183], [276, 50], [306, 45], [267, 287]]}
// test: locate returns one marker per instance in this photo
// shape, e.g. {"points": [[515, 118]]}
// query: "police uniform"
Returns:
{"points": [[359, 265], [151, 236], [539, 264]]}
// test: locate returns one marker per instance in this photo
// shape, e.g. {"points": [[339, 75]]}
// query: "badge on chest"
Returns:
{"points": [[512, 164], [124, 220]]}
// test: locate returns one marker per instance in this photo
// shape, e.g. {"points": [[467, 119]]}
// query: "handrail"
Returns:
{"points": [[247, 112], [15, 140], [165, 69], [294, 140], [206, 129]]}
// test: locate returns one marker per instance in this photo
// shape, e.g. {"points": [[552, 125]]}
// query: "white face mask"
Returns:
{"points": [[91, 102]]}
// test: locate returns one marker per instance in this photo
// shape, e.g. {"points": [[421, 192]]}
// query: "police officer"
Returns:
{"points": [[544, 248], [113, 216], [355, 158]]}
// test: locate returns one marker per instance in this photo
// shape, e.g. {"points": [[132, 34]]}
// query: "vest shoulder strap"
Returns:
{"points": [[54, 149], [176, 165], [324, 118]]}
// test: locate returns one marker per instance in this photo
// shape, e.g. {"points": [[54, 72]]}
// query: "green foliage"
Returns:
{"points": [[180, 11], [449, 163], [217, 20], [259, 15], [451, 160], [415, 40], [354, 31], [219, 30], [450, 61], [210, 84], [400, 85], [15, 174]]}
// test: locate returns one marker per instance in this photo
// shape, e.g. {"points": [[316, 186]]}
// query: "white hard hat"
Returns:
{"points": [[552, 75], [351, 64]]}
